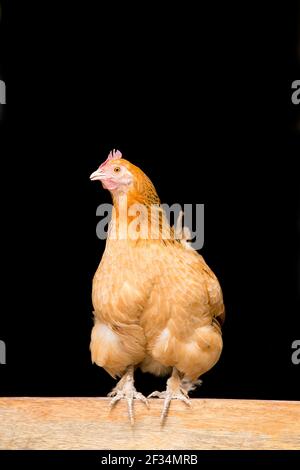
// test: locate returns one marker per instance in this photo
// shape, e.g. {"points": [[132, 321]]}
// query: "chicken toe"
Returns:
{"points": [[125, 389], [174, 391]]}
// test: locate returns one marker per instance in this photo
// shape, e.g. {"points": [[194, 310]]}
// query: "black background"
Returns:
{"points": [[200, 100]]}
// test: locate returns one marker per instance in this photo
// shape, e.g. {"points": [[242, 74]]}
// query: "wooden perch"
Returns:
{"points": [[87, 423]]}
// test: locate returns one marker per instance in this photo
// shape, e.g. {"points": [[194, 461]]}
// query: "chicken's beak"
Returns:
{"points": [[97, 175]]}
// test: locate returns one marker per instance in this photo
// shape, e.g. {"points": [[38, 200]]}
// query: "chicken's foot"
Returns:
{"points": [[125, 389], [175, 391]]}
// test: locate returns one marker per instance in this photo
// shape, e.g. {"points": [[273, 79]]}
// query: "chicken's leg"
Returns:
{"points": [[125, 389], [175, 390]]}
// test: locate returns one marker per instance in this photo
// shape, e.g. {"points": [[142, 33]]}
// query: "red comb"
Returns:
{"points": [[113, 155]]}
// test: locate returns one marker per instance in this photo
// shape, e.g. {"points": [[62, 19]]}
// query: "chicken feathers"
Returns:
{"points": [[157, 305]]}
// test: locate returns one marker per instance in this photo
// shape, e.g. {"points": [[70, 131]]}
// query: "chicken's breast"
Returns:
{"points": [[154, 306]]}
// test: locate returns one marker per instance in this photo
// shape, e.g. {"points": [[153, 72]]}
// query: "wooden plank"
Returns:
{"points": [[87, 423]]}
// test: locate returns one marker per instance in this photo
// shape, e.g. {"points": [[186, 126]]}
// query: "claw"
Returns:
{"points": [[130, 408], [180, 395], [156, 394], [129, 396], [140, 396], [175, 391], [165, 409]]}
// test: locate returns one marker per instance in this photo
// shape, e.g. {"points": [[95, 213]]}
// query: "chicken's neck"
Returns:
{"points": [[137, 217]]}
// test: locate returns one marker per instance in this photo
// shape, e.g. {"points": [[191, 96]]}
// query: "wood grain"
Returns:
{"points": [[87, 423]]}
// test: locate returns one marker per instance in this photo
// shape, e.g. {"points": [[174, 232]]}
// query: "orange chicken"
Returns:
{"points": [[157, 305]]}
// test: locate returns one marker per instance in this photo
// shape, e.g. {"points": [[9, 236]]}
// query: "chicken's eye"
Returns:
{"points": [[117, 169]]}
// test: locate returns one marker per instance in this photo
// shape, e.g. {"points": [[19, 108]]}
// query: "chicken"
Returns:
{"points": [[157, 305]]}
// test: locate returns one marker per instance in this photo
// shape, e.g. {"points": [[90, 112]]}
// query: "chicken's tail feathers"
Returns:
{"points": [[220, 318], [182, 233]]}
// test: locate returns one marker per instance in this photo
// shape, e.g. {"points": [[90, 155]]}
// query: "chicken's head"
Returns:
{"points": [[114, 174]]}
